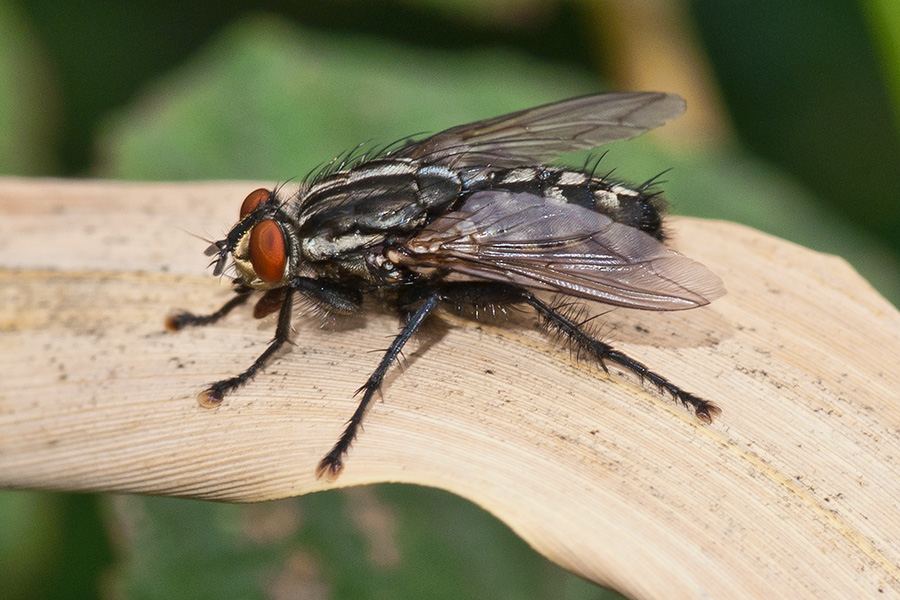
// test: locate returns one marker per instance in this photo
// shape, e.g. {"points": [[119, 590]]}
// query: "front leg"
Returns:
{"points": [[215, 393], [183, 319], [330, 296]]}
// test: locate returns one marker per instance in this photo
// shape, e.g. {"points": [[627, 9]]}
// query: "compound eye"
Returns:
{"points": [[254, 199], [268, 253]]}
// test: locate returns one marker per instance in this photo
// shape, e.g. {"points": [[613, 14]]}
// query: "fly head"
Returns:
{"points": [[260, 244]]}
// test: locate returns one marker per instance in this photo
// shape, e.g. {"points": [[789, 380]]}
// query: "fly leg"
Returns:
{"points": [[603, 352], [328, 295], [215, 393], [497, 295], [332, 464], [180, 320], [408, 303]]}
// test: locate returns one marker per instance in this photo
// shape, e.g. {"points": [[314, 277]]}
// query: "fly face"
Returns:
{"points": [[260, 244], [470, 216]]}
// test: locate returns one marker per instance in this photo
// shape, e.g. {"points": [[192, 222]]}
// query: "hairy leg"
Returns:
{"points": [[181, 320], [333, 463], [497, 294], [415, 303], [328, 295], [603, 352], [215, 393], [421, 302]]}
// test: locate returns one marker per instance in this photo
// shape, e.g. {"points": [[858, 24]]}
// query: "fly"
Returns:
{"points": [[472, 216]]}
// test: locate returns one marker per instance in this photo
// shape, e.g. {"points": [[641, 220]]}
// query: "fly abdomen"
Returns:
{"points": [[629, 206], [634, 207]]}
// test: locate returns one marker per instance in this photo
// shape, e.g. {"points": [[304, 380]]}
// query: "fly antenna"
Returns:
{"points": [[198, 236]]}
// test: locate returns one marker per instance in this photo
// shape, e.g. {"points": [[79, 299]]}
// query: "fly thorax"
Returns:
{"points": [[327, 245], [352, 212]]}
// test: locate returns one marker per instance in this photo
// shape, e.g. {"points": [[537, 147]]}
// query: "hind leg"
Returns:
{"points": [[498, 294]]}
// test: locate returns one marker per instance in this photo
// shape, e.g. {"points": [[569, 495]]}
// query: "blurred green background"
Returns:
{"points": [[792, 127]]}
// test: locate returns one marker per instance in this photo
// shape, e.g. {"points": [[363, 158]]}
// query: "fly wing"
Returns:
{"points": [[543, 133], [534, 242]]}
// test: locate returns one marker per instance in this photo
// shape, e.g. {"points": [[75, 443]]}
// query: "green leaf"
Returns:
{"points": [[270, 102], [28, 108], [883, 17], [378, 542]]}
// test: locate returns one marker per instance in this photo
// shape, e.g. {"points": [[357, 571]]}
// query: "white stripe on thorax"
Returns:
{"points": [[394, 167]]}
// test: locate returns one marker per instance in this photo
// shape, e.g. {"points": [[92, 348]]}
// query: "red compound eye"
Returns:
{"points": [[254, 199], [268, 253]]}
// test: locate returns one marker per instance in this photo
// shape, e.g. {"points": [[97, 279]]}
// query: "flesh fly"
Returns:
{"points": [[471, 216]]}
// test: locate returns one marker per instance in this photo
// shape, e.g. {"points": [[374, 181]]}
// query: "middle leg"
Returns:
{"points": [[415, 304], [332, 463]]}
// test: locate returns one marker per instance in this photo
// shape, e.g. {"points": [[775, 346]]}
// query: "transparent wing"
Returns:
{"points": [[537, 243], [543, 133]]}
